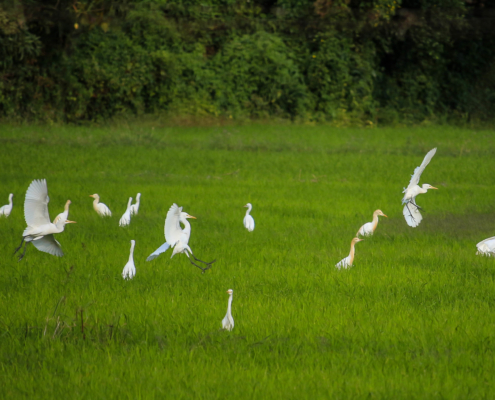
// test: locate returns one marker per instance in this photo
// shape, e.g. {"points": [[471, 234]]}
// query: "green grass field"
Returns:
{"points": [[414, 317]]}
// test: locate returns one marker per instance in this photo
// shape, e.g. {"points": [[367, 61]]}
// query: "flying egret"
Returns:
{"points": [[369, 228], [39, 229], [100, 208], [486, 247], [248, 219], [228, 321], [135, 207], [347, 262], [6, 210], [411, 209], [64, 215], [126, 218], [178, 238], [130, 269]]}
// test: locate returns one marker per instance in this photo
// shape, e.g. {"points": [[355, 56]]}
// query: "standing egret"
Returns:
{"points": [[130, 269], [126, 218], [178, 238], [248, 219], [369, 228], [228, 321], [6, 210], [486, 247], [135, 207], [347, 262], [100, 208], [39, 229], [64, 215], [411, 209]]}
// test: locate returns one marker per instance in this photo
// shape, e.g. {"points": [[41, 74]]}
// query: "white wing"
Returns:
{"points": [[344, 263], [162, 249], [419, 170], [173, 231], [487, 246], [129, 270], [249, 223], [36, 204], [412, 215], [49, 245]]}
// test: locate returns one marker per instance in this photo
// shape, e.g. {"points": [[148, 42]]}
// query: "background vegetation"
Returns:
{"points": [[345, 61], [414, 317]]}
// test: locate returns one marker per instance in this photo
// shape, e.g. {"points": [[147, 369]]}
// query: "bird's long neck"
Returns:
{"points": [[375, 221], [95, 203], [229, 307], [10, 199], [132, 252], [249, 209], [351, 254], [67, 207], [187, 226]]}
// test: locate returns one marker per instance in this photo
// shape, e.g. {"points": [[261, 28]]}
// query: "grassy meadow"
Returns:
{"points": [[414, 317]]}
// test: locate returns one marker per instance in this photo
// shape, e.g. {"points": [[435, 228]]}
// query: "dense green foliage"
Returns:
{"points": [[413, 319], [363, 61]]}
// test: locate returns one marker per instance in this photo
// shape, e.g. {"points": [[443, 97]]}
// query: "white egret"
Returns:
{"points": [[40, 230], [248, 219], [7, 209], [135, 207], [64, 215], [369, 228], [177, 237], [130, 269], [411, 209], [100, 208], [486, 247], [347, 262], [228, 321], [126, 218]]}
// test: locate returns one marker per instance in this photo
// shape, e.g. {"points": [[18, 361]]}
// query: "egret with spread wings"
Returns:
{"points": [[411, 209], [40, 230], [178, 238]]}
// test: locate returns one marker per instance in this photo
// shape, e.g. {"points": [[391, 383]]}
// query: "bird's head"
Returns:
{"points": [[70, 222], [248, 205], [380, 212], [427, 186], [94, 196], [230, 291], [186, 215], [138, 196], [355, 240], [10, 196]]}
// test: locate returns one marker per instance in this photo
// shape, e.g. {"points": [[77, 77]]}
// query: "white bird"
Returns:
{"points": [[486, 247], [64, 215], [39, 229], [228, 321], [369, 228], [347, 262], [6, 210], [135, 207], [100, 208], [126, 218], [130, 269], [248, 219], [411, 209], [176, 237]]}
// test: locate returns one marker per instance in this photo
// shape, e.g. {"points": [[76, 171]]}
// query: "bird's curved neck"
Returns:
{"points": [[229, 307], [375, 221], [10, 199], [249, 209], [351, 254], [132, 252], [187, 225], [129, 203]]}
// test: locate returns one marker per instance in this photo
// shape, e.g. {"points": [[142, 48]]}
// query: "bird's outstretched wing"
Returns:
{"points": [[36, 203], [487, 246], [49, 245], [412, 215], [173, 231], [419, 170], [162, 249]]}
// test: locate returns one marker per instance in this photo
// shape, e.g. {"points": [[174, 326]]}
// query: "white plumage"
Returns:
{"points": [[135, 207], [39, 229], [126, 218], [411, 209], [130, 269], [100, 208], [369, 228], [248, 219], [228, 320], [486, 247], [7, 209], [348, 261]]}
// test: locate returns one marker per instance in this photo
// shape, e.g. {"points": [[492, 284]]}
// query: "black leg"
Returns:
{"points": [[202, 269], [22, 241], [204, 262], [24, 252], [410, 213]]}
